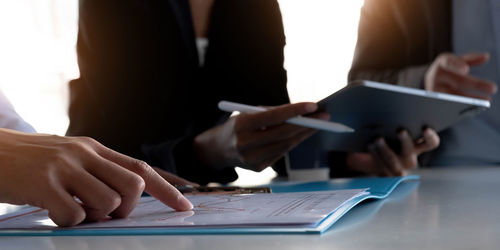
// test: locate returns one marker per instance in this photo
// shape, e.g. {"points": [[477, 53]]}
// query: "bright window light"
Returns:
{"points": [[321, 36], [38, 57]]}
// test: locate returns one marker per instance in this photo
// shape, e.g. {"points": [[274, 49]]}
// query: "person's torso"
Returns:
{"points": [[161, 88], [475, 141]]}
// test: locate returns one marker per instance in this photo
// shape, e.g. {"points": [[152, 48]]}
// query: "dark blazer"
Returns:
{"points": [[399, 39], [142, 91]]}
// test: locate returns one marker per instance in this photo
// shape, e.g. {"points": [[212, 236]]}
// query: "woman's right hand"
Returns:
{"points": [[449, 73], [384, 161], [51, 171], [255, 141]]}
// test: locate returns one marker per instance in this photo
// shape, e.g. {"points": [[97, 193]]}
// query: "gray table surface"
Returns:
{"points": [[450, 208]]}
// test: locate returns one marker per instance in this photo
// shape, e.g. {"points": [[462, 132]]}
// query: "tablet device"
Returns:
{"points": [[381, 110]]}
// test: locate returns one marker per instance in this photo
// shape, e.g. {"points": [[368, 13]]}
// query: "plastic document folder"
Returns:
{"points": [[310, 207]]}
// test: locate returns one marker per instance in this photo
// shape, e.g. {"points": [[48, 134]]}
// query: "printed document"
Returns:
{"points": [[238, 210]]}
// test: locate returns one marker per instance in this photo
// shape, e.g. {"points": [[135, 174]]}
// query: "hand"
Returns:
{"points": [[383, 161], [51, 171], [450, 74], [254, 141]]}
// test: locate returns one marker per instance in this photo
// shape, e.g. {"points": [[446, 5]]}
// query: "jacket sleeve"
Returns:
{"points": [[178, 157], [382, 51], [141, 95], [122, 99]]}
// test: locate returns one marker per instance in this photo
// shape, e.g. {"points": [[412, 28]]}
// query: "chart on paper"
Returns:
{"points": [[307, 208]]}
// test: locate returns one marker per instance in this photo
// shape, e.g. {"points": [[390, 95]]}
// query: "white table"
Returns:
{"points": [[450, 208]]}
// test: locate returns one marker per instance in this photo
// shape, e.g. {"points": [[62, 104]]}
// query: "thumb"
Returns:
{"points": [[475, 59]]}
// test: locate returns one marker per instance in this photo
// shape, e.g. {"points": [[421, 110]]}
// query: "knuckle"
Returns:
{"points": [[441, 59], [110, 203], [56, 138], [114, 201], [141, 168], [441, 70], [446, 56], [58, 159], [88, 140], [70, 218], [393, 160], [137, 184], [411, 162], [75, 146]]}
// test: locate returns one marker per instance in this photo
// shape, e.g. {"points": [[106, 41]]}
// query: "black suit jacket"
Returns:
{"points": [[398, 40], [141, 90]]}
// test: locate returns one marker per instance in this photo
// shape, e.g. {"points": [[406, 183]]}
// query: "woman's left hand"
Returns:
{"points": [[383, 161]]}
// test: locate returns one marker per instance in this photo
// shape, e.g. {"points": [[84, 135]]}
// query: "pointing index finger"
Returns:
{"points": [[156, 186]]}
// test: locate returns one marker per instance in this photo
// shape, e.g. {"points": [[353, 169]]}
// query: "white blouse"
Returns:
{"points": [[10, 119], [201, 45]]}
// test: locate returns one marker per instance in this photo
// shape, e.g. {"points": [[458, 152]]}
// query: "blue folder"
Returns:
{"points": [[379, 188]]}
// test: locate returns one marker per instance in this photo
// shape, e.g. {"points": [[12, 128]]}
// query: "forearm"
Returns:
{"points": [[384, 52], [178, 156]]}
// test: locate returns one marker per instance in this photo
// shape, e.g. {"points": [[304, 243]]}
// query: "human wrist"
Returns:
{"points": [[206, 151]]}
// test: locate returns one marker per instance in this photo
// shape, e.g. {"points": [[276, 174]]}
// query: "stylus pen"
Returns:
{"points": [[299, 120]]}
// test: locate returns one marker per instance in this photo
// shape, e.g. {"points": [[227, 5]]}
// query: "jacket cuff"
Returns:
{"points": [[338, 166], [413, 77], [178, 157]]}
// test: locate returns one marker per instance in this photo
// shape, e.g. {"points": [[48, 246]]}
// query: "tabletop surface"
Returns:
{"points": [[449, 208]]}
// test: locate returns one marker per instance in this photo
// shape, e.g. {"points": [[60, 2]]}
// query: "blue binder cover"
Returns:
{"points": [[379, 188]]}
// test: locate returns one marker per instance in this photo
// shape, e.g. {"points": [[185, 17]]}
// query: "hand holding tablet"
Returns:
{"points": [[365, 110], [381, 110], [299, 120]]}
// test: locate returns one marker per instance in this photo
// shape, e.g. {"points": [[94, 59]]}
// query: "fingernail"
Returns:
{"points": [[311, 107], [184, 204]]}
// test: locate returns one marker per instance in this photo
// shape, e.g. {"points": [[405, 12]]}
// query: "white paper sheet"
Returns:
{"points": [[276, 209]]}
